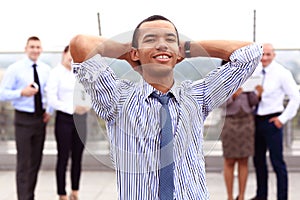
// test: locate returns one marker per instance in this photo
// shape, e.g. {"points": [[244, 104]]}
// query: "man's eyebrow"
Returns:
{"points": [[150, 35], [171, 35], [34, 46]]}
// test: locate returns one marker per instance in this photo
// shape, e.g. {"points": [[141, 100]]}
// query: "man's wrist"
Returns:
{"points": [[187, 49]]}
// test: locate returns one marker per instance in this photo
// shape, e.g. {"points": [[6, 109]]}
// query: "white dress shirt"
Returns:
{"points": [[60, 89], [18, 76], [278, 84]]}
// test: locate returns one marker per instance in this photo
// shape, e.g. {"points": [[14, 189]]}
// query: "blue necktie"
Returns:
{"points": [[264, 75], [263, 71], [166, 180]]}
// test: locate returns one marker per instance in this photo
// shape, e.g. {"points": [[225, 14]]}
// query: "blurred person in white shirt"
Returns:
{"points": [[270, 117], [70, 125]]}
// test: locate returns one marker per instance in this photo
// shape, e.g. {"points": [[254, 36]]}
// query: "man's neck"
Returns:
{"points": [[161, 85]]}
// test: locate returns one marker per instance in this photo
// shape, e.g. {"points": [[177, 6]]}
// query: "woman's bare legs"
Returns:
{"points": [[229, 176], [242, 176]]}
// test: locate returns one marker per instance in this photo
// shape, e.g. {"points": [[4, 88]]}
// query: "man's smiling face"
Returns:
{"points": [[157, 46]]}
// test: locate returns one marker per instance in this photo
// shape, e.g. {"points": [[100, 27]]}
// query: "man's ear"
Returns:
{"points": [[134, 54], [134, 60], [180, 57]]}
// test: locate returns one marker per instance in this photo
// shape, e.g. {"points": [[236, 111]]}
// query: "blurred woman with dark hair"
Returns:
{"points": [[70, 125]]}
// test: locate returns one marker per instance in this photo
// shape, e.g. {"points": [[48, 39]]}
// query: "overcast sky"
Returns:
{"points": [[57, 21]]}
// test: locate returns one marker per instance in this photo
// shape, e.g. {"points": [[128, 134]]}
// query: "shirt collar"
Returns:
{"points": [[29, 62], [269, 67], [147, 90]]}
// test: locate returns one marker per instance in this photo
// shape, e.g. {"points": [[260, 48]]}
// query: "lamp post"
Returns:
{"points": [[99, 25], [254, 25]]}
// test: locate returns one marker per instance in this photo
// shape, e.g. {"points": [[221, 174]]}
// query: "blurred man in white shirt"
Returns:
{"points": [[271, 115]]}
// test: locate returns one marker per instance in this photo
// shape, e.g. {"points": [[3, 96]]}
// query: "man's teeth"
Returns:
{"points": [[162, 57]]}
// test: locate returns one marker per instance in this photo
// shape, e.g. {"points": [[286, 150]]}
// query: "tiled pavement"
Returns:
{"points": [[98, 179], [101, 185]]}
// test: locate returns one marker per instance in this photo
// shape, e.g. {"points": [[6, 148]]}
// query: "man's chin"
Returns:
{"points": [[156, 66]]}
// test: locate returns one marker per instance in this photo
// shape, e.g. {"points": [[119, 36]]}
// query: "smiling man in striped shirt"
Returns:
{"points": [[133, 115]]}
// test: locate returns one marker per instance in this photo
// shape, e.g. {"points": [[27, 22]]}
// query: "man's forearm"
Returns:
{"points": [[214, 48], [83, 47]]}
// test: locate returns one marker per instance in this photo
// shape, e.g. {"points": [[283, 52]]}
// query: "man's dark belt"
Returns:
{"points": [[27, 113], [264, 117], [63, 113]]}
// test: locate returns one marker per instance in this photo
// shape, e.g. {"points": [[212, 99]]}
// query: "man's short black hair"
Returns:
{"points": [[149, 19], [34, 38]]}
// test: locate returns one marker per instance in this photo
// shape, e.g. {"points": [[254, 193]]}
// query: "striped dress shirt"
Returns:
{"points": [[132, 122]]}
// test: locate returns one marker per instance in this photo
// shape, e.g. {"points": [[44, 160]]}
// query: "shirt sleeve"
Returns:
{"points": [[100, 83], [291, 90], [8, 89], [253, 98], [222, 82]]}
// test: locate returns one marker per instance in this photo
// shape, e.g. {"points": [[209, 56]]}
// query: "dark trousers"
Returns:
{"points": [[269, 137], [30, 136], [70, 134]]}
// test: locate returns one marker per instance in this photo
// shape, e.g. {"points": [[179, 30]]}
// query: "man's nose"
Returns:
{"points": [[161, 45]]}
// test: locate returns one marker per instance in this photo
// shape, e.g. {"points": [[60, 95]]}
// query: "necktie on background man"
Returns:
{"points": [[263, 71], [38, 106], [166, 179]]}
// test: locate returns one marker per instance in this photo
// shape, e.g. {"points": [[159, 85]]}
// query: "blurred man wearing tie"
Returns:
{"points": [[270, 117], [23, 84]]}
